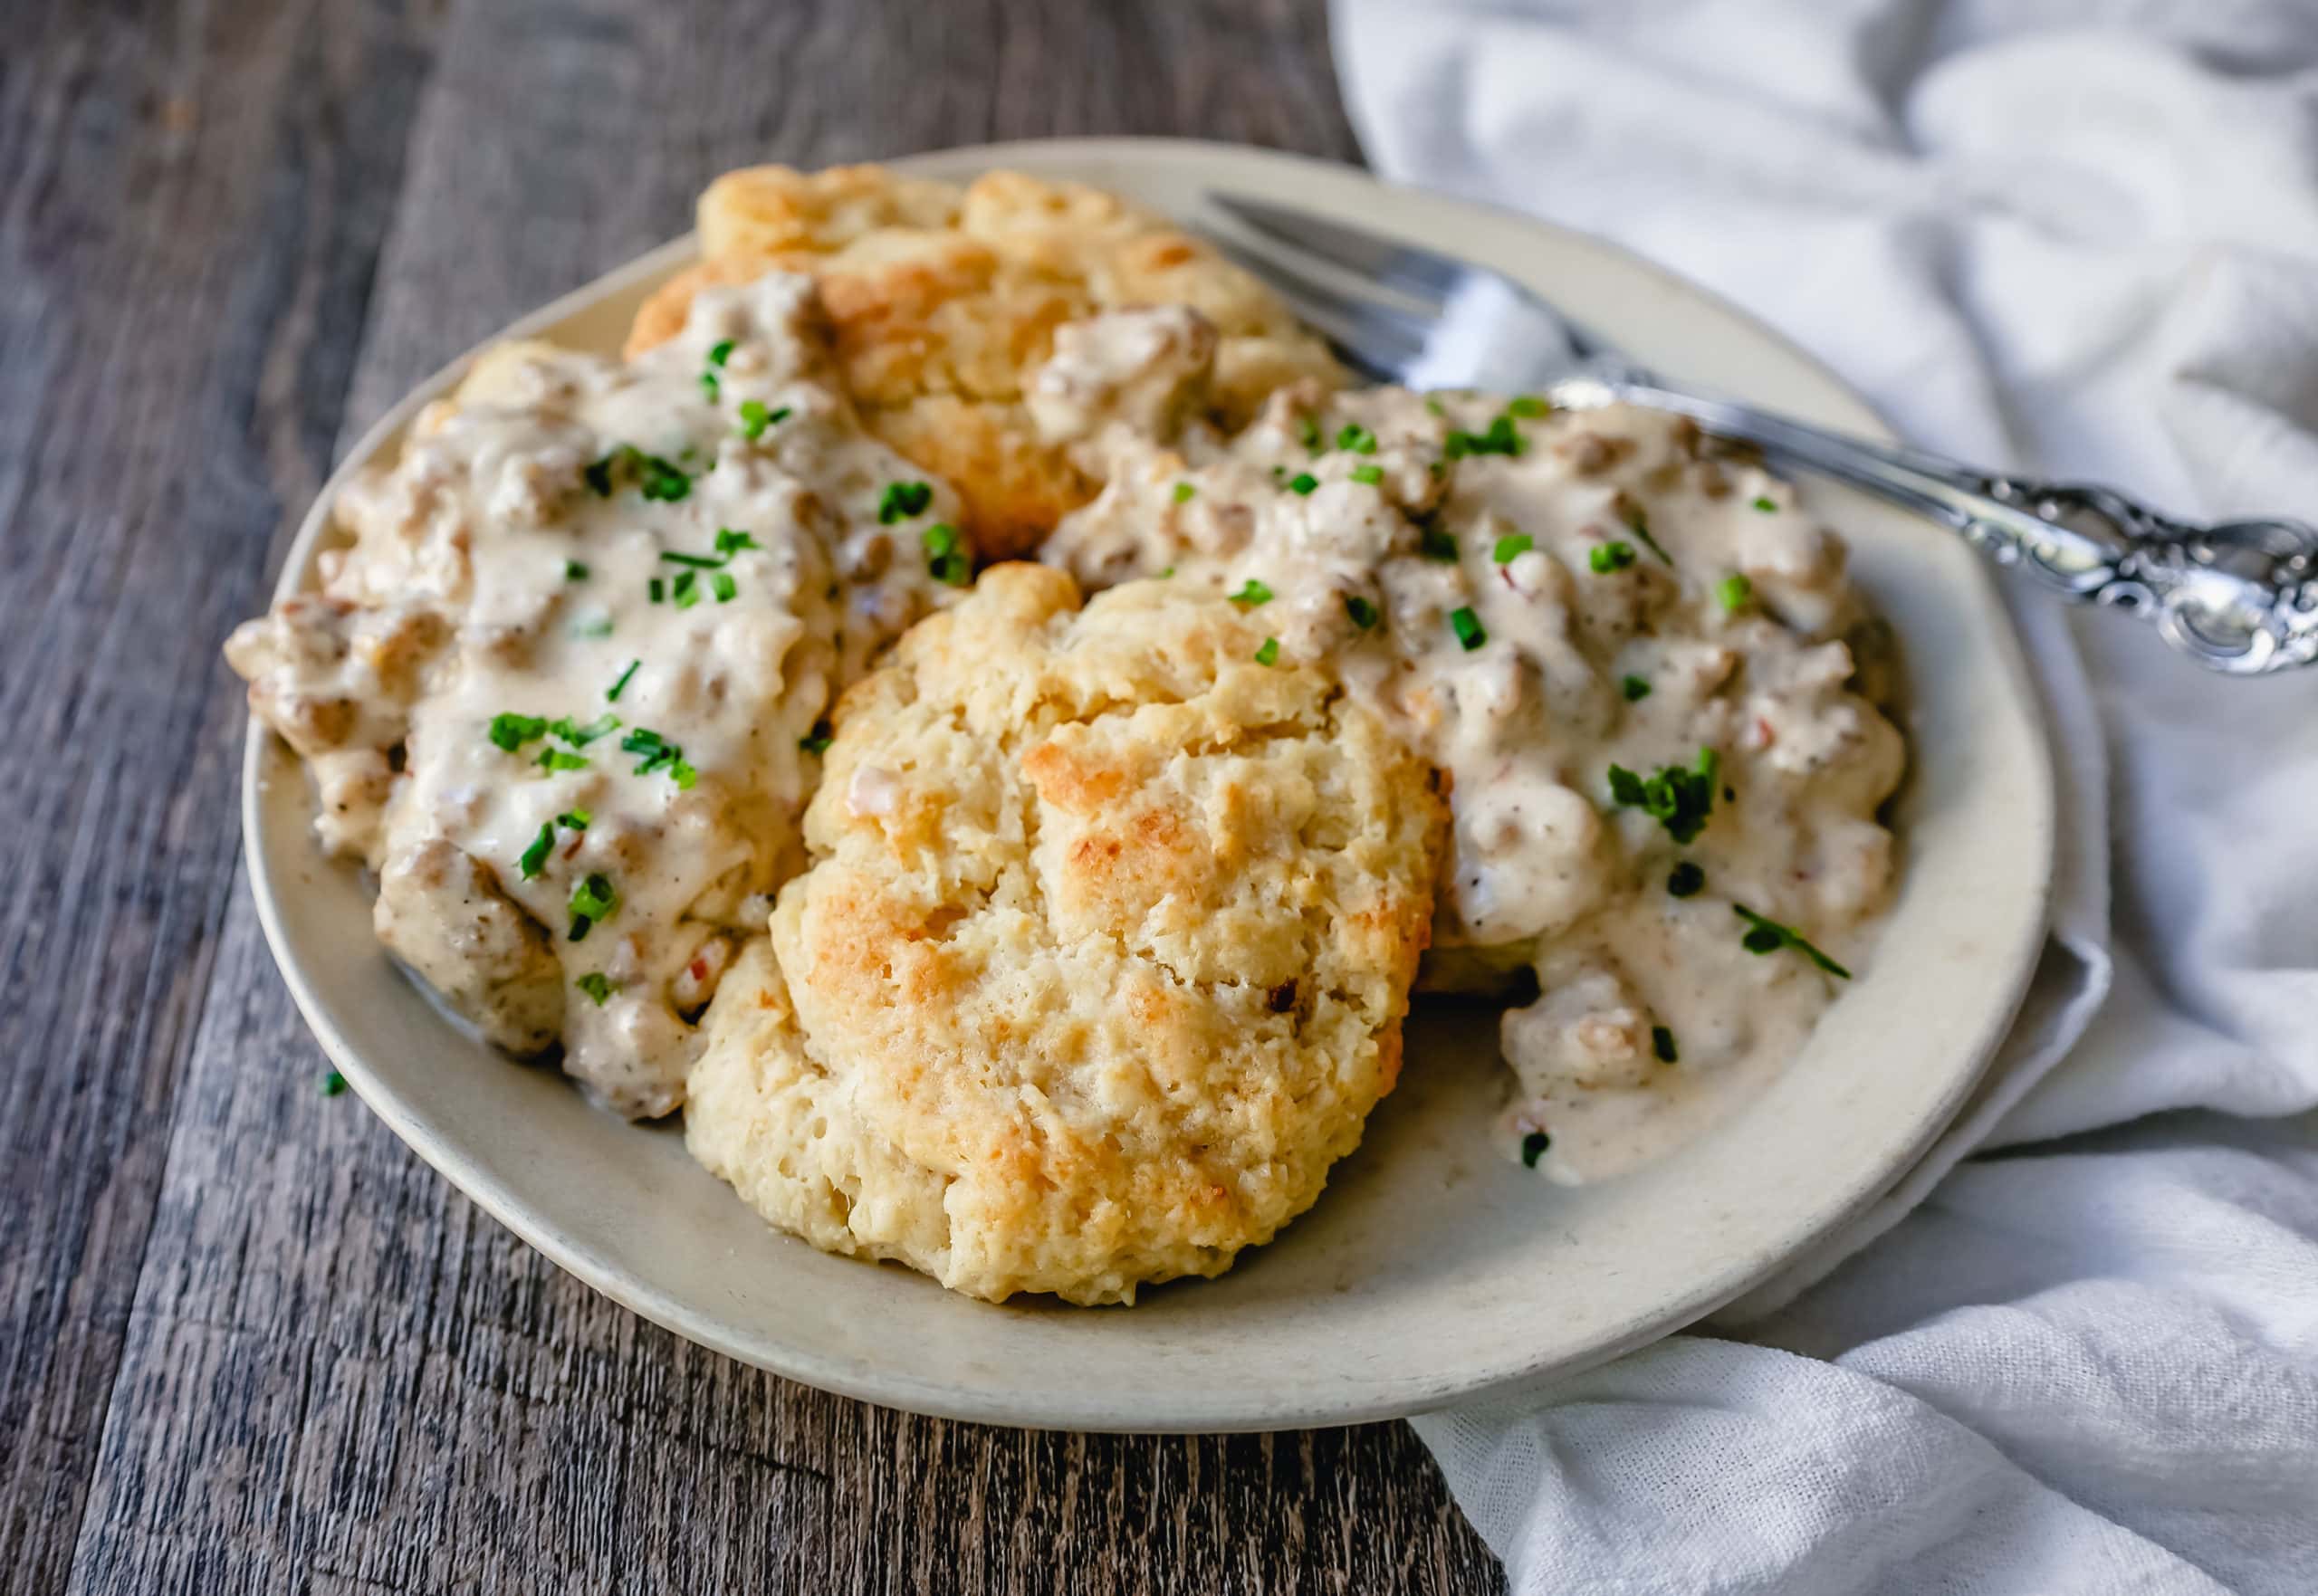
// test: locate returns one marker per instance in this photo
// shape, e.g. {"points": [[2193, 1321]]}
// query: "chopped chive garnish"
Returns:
{"points": [[1371, 475], [696, 562], [1733, 591], [755, 419], [1509, 548], [1686, 880], [659, 754], [1528, 406], [1303, 482], [1768, 936], [536, 855], [593, 626], [1435, 544], [686, 591], [1467, 627], [1168, 572], [1500, 439], [722, 585], [333, 1084], [1634, 688], [1661, 1043], [730, 541], [710, 386], [1308, 430], [1638, 522], [1362, 613], [592, 900], [1765, 506], [574, 819], [656, 477], [552, 759], [1606, 557], [1533, 1147], [1678, 797], [1252, 593], [611, 694], [573, 571], [581, 736], [658, 588], [512, 731], [1357, 439], [945, 557], [903, 500], [819, 742], [595, 984], [1268, 654], [720, 352]]}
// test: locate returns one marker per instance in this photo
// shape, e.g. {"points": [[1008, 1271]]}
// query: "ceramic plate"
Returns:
{"points": [[1430, 1270]]}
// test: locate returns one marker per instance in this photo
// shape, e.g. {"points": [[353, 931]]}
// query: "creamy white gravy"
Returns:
{"points": [[1534, 597], [560, 688]]}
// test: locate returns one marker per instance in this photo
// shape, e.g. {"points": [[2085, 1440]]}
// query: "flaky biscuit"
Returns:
{"points": [[1103, 958], [946, 301]]}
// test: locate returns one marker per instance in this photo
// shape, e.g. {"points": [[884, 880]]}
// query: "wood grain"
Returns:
{"points": [[250, 1340]]}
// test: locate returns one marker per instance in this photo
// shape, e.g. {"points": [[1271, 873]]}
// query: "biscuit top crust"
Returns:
{"points": [[1110, 923]]}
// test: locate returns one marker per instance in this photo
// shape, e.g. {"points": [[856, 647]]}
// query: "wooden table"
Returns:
{"points": [[247, 1341]]}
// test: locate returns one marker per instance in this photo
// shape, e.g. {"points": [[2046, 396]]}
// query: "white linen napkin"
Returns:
{"points": [[2078, 237]]}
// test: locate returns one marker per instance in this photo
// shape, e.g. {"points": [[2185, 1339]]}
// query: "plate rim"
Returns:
{"points": [[1093, 1412]]}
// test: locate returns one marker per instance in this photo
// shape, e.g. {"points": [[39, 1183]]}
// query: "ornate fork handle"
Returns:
{"points": [[2239, 598]]}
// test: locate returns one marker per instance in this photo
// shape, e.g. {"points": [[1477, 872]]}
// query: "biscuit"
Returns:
{"points": [[946, 301], [1102, 959]]}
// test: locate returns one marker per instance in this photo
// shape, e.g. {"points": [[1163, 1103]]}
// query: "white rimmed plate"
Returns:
{"points": [[1430, 1270]]}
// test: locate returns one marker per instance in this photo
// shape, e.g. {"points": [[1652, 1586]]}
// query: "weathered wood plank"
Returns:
{"points": [[189, 211], [337, 1374]]}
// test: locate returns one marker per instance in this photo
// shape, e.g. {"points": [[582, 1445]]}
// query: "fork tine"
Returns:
{"points": [[1378, 341], [1415, 272]]}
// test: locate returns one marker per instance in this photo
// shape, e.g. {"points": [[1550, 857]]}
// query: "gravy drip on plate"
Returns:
{"points": [[560, 689], [1534, 598]]}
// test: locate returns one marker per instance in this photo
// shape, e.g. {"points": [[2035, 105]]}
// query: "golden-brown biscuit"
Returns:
{"points": [[1103, 958], [946, 301]]}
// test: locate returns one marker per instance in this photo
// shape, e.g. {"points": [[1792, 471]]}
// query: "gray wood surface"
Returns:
{"points": [[247, 1341]]}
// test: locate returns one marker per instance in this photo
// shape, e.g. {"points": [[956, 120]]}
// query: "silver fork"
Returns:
{"points": [[2239, 598]]}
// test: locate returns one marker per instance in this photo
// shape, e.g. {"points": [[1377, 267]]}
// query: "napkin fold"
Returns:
{"points": [[2079, 237]]}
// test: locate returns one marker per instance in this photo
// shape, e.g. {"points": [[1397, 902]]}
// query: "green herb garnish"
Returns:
{"points": [[1357, 439], [1768, 936], [573, 571], [581, 736], [1528, 406], [1606, 557], [552, 759], [659, 479], [1661, 1043], [902, 500], [1733, 591], [659, 754], [945, 555], [1634, 688], [1435, 544], [534, 856], [1638, 524], [1308, 431], [720, 352], [1183, 491], [1303, 482], [1498, 439], [1362, 613], [611, 695], [1269, 653], [1467, 627], [823, 734], [1369, 475], [1533, 1147], [656, 588], [686, 591], [1252, 593], [731, 540], [574, 819], [512, 731], [592, 900], [1765, 506], [755, 419], [711, 387], [722, 585], [704, 562], [1509, 548], [595, 985], [1686, 880], [333, 1084], [1678, 798]]}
